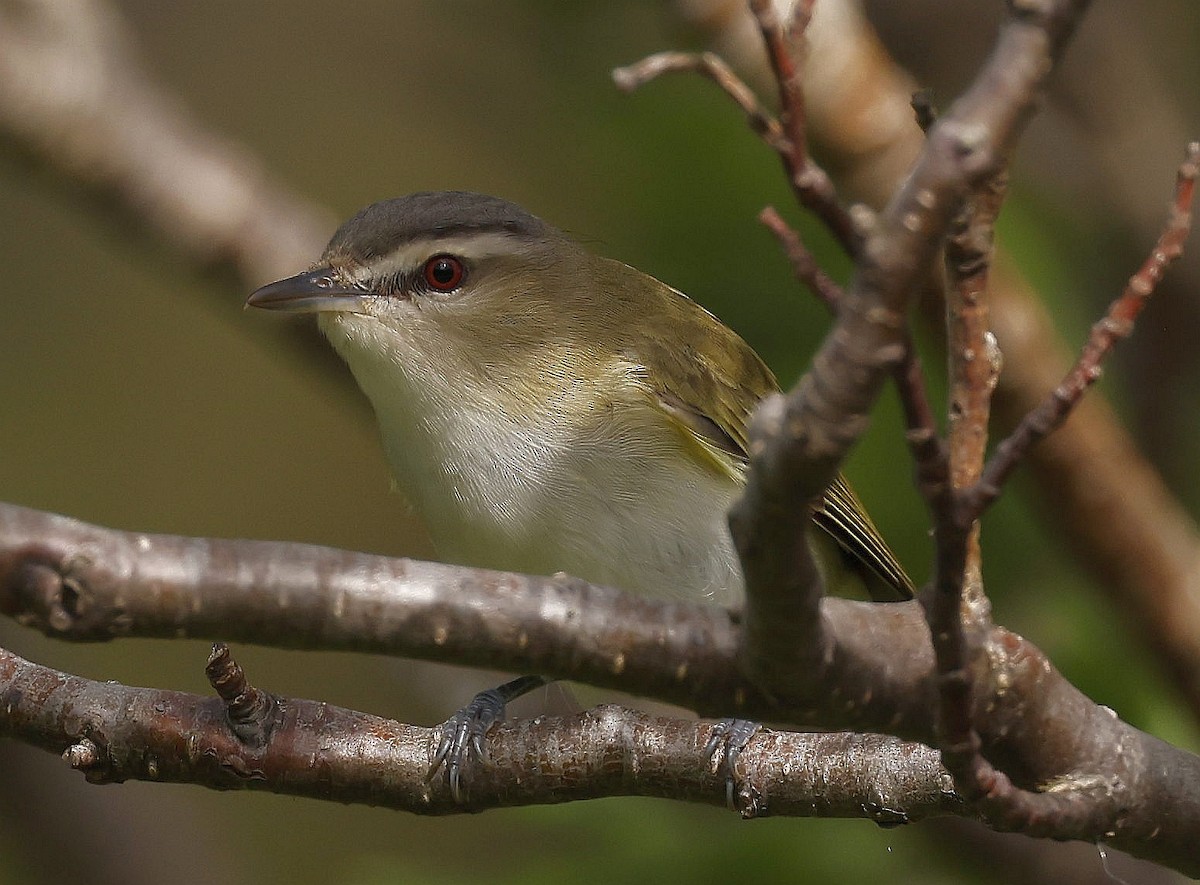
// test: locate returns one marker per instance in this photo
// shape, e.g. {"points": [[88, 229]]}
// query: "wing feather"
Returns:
{"points": [[708, 381]]}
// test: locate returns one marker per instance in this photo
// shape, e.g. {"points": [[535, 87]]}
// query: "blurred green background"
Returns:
{"points": [[137, 393]]}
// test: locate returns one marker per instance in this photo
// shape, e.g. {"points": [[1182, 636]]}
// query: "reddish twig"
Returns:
{"points": [[1116, 325], [813, 187], [957, 607], [1005, 803], [804, 265], [783, 46]]}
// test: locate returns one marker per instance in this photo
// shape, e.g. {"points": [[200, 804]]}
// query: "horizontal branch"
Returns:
{"points": [[114, 733], [77, 581], [83, 582]]}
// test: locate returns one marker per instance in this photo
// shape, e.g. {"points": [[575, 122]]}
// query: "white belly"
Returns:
{"points": [[609, 506]]}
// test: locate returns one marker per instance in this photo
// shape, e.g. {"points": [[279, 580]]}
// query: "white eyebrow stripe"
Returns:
{"points": [[412, 255]]}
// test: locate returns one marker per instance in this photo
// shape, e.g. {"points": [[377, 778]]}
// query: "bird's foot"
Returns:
{"points": [[729, 737], [462, 736]]}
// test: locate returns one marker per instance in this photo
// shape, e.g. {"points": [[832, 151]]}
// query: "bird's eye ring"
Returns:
{"points": [[444, 273]]}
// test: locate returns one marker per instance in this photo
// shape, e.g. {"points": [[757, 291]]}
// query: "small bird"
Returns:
{"points": [[546, 409]]}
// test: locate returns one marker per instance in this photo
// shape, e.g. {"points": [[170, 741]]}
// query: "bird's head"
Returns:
{"points": [[458, 283]]}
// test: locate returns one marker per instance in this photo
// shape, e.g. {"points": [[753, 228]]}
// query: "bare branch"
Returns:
{"points": [[114, 733], [81, 582], [61, 590], [1116, 324], [77, 581], [909, 377], [958, 609], [638, 74], [804, 265], [1096, 488], [798, 443], [811, 184], [786, 136]]}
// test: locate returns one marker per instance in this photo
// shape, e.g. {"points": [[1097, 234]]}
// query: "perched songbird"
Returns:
{"points": [[546, 409]]}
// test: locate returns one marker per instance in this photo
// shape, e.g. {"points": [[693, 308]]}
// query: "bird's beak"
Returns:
{"points": [[314, 291]]}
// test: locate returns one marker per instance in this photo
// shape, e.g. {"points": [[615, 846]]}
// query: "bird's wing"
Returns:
{"points": [[843, 516], [712, 365]]}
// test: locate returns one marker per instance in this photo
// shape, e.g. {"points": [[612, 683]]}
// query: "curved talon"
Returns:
{"points": [[469, 726], [466, 729], [735, 734]]}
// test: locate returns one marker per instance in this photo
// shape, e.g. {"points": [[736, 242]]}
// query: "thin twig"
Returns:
{"points": [[639, 73], [812, 186], [804, 265], [783, 46], [1116, 325]]}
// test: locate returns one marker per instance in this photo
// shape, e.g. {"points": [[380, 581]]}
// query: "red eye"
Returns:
{"points": [[444, 273]]}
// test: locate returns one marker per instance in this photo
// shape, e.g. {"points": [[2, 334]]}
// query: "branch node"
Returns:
{"points": [[249, 711], [90, 757], [82, 755]]}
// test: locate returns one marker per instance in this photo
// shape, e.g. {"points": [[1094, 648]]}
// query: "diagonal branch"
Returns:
{"points": [[1116, 324], [810, 183], [1096, 489], [909, 375], [798, 443]]}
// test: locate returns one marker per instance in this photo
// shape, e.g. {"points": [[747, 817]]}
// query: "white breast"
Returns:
{"points": [[592, 484]]}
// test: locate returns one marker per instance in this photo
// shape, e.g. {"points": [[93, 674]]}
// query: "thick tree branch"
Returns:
{"points": [[1044, 731], [82, 582], [114, 733], [78, 581]]}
